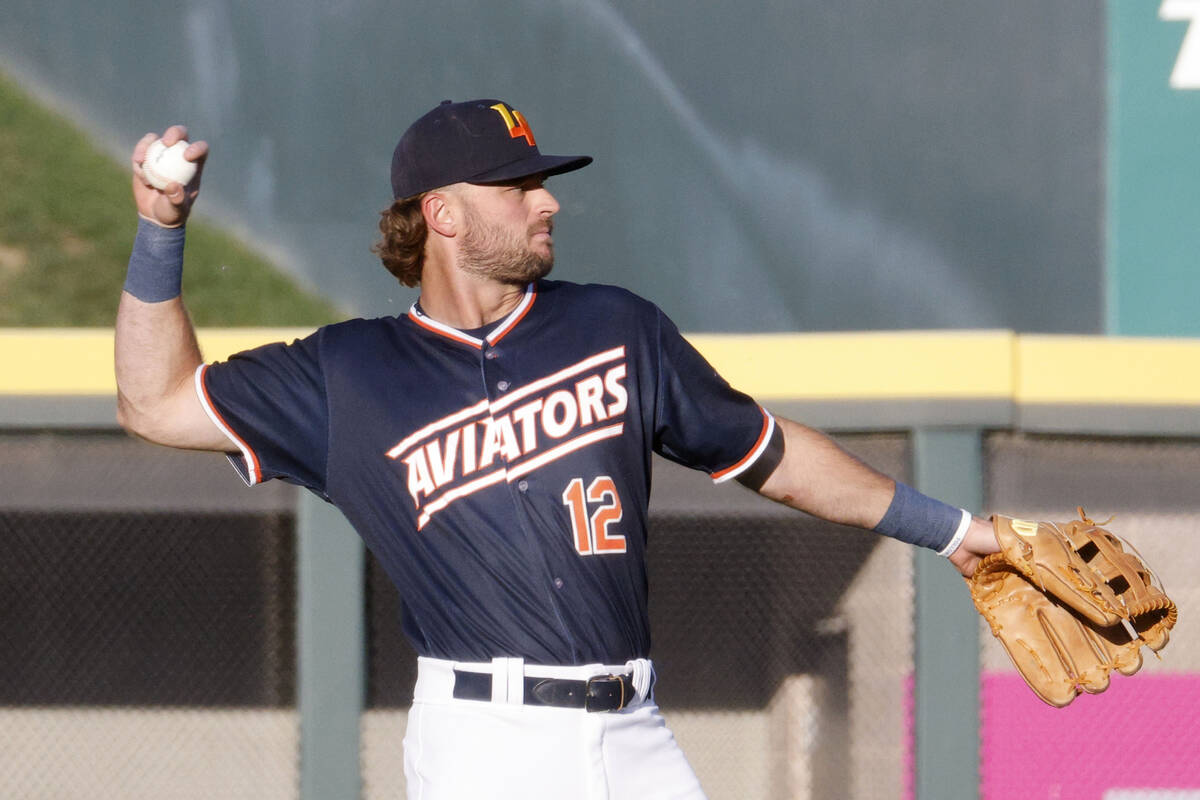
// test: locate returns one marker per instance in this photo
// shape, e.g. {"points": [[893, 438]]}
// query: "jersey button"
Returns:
{"points": [[502, 386], [558, 583], [523, 486], [491, 354]]}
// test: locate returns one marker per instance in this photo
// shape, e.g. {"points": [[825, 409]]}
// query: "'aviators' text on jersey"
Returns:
{"points": [[533, 425]]}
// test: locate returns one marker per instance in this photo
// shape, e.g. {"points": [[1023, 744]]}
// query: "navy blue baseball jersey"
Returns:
{"points": [[502, 479]]}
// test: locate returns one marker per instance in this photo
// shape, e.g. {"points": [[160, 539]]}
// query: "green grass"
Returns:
{"points": [[66, 227]]}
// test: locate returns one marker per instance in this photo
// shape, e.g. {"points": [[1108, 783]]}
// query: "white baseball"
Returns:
{"points": [[164, 165]]}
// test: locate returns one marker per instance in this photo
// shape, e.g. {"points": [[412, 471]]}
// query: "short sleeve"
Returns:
{"points": [[700, 420], [271, 403]]}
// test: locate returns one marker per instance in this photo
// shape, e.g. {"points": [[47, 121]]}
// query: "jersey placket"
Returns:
{"points": [[497, 383]]}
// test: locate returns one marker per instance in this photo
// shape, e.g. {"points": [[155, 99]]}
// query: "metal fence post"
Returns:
{"points": [[948, 465], [331, 650]]}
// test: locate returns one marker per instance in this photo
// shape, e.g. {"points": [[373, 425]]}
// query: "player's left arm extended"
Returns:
{"points": [[818, 477]]}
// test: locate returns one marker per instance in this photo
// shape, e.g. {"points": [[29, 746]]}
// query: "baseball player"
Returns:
{"points": [[492, 446]]}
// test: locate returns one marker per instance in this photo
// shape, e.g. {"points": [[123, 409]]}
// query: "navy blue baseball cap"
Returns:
{"points": [[479, 141]]}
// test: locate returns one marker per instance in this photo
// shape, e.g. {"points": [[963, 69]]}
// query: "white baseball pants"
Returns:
{"points": [[475, 750]]}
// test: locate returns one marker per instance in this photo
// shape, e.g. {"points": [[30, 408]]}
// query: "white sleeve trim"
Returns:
{"points": [[251, 475], [754, 455], [959, 534]]}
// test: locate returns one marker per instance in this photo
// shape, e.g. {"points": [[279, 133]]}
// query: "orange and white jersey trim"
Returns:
{"points": [[516, 315], [253, 471], [764, 438]]}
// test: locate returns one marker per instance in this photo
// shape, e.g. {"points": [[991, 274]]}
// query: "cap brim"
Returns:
{"points": [[538, 165]]}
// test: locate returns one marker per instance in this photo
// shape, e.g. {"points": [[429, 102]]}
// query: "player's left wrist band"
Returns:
{"points": [[918, 519], [156, 264]]}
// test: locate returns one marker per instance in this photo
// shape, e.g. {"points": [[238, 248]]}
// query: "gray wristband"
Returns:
{"points": [[917, 519], [156, 263]]}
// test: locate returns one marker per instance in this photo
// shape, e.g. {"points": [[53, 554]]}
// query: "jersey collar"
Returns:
{"points": [[499, 332]]}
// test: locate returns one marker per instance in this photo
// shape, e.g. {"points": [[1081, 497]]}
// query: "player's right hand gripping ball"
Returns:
{"points": [[1070, 602], [166, 165]]}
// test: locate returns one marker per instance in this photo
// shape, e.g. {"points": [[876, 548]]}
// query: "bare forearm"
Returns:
{"points": [[156, 356], [156, 351], [818, 477]]}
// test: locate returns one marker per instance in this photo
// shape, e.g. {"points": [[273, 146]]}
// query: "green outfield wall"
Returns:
{"points": [[1018, 165], [1153, 217], [779, 166]]}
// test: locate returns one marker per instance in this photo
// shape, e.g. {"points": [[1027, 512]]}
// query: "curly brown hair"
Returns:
{"points": [[402, 248]]}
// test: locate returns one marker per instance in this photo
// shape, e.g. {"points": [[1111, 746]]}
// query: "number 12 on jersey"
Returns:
{"points": [[592, 535]]}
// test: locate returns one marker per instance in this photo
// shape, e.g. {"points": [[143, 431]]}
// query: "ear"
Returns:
{"points": [[441, 214]]}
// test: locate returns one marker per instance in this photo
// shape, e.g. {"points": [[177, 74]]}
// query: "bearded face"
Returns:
{"points": [[506, 253]]}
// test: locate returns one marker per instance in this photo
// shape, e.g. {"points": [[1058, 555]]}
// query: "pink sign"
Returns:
{"points": [[1142, 741]]}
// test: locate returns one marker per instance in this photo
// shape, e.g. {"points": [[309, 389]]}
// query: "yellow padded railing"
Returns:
{"points": [[951, 365]]}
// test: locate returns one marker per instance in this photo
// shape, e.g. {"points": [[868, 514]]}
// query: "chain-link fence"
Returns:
{"points": [[147, 637], [147, 615]]}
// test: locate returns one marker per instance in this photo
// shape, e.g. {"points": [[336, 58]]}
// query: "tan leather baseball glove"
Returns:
{"points": [[1070, 602]]}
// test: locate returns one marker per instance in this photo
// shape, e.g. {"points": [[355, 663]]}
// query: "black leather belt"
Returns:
{"points": [[601, 693]]}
